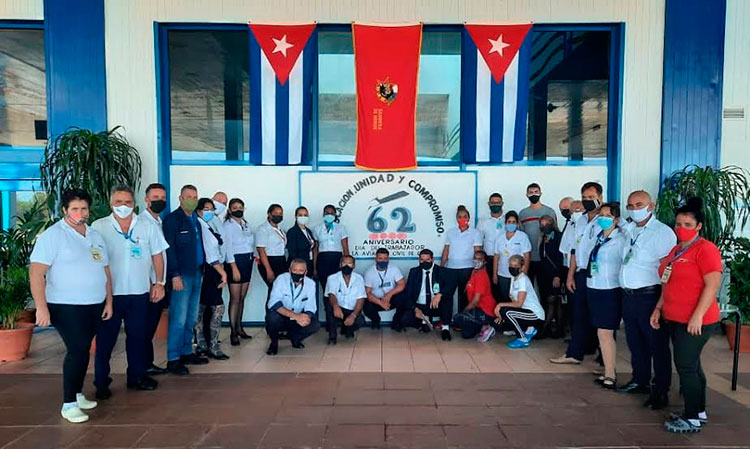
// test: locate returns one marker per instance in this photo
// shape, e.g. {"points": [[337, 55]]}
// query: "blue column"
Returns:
{"points": [[74, 51], [692, 91]]}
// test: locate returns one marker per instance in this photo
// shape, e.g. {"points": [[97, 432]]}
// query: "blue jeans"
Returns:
{"points": [[183, 314]]}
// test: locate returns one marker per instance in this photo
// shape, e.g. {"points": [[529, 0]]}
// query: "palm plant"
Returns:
{"points": [[14, 295], [16, 243], [95, 162], [726, 199]]}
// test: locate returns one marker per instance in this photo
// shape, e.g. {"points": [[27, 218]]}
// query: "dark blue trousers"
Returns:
{"points": [[582, 330], [153, 316], [131, 309], [647, 346], [275, 323]]}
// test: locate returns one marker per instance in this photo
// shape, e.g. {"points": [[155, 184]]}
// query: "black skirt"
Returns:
{"points": [[244, 263], [605, 307], [211, 295]]}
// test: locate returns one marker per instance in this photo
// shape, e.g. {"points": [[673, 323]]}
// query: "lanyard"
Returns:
{"points": [[129, 235], [291, 288], [280, 233], [382, 278], [599, 243], [679, 253], [309, 237]]}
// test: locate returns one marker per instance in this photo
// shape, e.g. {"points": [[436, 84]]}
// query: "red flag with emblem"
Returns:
{"points": [[282, 45], [386, 62], [498, 44]]}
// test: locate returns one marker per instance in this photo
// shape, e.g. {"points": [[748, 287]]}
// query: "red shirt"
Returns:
{"points": [[682, 292], [480, 283]]}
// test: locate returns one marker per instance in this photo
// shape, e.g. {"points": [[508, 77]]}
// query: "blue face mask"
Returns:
{"points": [[605, 222], [511, 227], [328, 218], [382, 266], [208, 215]]}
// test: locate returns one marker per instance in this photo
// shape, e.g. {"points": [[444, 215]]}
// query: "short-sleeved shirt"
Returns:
{"points": [[76, 273], [297, 298], [567, 240], [238, 238], [586, 235], [604, 270], [490, 227], [381, 282], [130, 253], [273, 239], [523, 284], [461, 247], [346, 295], [505, 248], [529, 221], [212, 247], [156, 221], [479, 282], [683, 290], [644, 248], [329, 240]]}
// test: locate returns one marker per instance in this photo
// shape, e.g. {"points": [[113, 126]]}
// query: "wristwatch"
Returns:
{"points": [[162, 283]]}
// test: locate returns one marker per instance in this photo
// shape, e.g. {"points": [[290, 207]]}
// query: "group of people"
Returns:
{"points": [[518, 273]]}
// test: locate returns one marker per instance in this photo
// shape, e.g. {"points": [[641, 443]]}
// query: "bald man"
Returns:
{"points": [[648, 241], [220, 203]]}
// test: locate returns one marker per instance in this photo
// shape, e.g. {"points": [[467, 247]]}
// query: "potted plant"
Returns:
{"points": [[739, 293], [15, 337]]}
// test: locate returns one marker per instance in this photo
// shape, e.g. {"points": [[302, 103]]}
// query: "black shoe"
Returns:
{"points": [[348, 334], [244, 336], [218, 355], [103, 393], [375, 325], [145, 384], [331, 340], [234, 340], [193, 359], [155, 370], [446, 335], [425, 329], [201, 352], [297, 344], [273, 348], [634, 388], [283, 335], [178, 368], [657, 401]]}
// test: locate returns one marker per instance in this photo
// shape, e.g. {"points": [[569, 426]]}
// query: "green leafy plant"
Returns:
{"points": [[14, 295], [16, 243], [726, 199], [739, 285], [95, 162]]}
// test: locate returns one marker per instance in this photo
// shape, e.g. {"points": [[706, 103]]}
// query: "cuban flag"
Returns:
{"points": [[282, 63], [495, 66]]}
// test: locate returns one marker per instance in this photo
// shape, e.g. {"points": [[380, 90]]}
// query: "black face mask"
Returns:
{"points": [[566, 213], [158, 205], [277, 218], [496, 208], [514, 271], [346, 270], [238, 213], [546, 229], [425, 265], [589, 205], [296, 277], [535, 198]]}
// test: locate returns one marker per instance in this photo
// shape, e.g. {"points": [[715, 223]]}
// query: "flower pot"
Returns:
{"points": [[744, 336], [162, 328], [15, 343], [27, 316]]}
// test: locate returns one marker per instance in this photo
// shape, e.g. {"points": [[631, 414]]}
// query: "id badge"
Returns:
{"points": [[136, 252], [506, 252], [667, 274], [566, 260], [499, 224], [594, 268], [96, 254], [628, 256], [435, 288]]}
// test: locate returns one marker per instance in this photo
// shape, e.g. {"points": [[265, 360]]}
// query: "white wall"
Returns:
{"points": [[735, 133], [21, 9]]}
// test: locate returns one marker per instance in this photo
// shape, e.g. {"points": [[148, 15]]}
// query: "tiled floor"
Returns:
{"points": [[380, 390]]}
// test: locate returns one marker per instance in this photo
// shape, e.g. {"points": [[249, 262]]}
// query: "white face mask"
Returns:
{"points": [[220, 208], [640, 214], [303, 219], [577, 215], [122, 211]]}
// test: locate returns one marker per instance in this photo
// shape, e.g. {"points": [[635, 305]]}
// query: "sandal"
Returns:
{"points": [[681, 425], [609, 383]]}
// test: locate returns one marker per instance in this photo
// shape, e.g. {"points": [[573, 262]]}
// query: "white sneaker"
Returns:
{"points": [[85, 404], [485, 337], [509, 333], [74, 415]]}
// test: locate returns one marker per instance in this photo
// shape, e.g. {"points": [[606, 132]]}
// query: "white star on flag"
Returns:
{"points": [[282, 45], [497, 45]]}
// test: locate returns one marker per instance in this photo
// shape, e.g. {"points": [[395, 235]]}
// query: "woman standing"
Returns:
{"points": [[509, 243], [211, 308], [461, 243], [333, 244], [690, 276], [300, 241], [270, 242], [603, 293], [72, 289], [239, 242], [549, 278]]}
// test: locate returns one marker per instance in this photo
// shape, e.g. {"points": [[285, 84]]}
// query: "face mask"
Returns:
{"points": [[122, 211], [296, 277], [496, 208], [463, 222], [640, 214], [478, 264], [565, 213], [382, 266], [546, 229], [425, 265], [303, 219], [328, 218], [346, 270], [535, 198], [208, 215], [77, 219], [157, 206], [605, 222], [189, 204], [511, 227], [220, 208], [685, 234], [277, 218], [238, 213], [589, 205], [577, 215], [514, 271]]}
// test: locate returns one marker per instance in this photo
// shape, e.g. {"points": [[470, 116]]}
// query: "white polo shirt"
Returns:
{"points": [[213, 252], [606, 276], [76, 264], [567, 240], [130, 253], [381, 282], [643, 250], [329, 241], [491, 228], [156, 221], [461, 247], [272, 239], [586, 231], [505, 248], [346, 295], [238, 238], [297, 298], [523, 284]]}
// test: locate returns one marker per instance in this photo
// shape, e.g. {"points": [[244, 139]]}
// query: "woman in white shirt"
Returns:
{"points": [[604, 295], [509, 243], [461, 243], [270, 242], [332, 239], [239, 242], [524, 313]]}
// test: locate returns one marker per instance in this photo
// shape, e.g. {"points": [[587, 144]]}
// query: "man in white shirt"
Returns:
{"points": [[383, 282], [491, 226], [134, 247], [156, 202], [292, 307], [345, 291], [220, 200], [647, 242]]}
